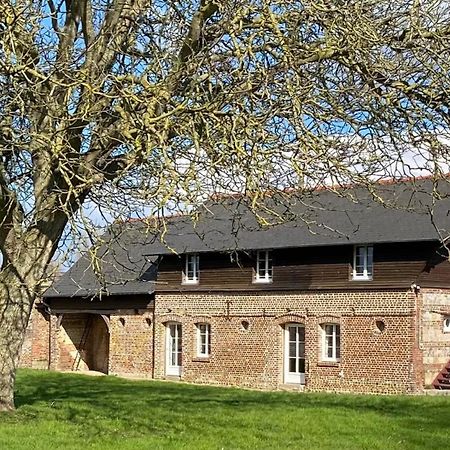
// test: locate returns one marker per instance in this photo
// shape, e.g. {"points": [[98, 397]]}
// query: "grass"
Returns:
{"points": [[70, 411]]}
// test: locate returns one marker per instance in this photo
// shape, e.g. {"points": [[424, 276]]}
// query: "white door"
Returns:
{"points": [[294, 354], [173, 349]]}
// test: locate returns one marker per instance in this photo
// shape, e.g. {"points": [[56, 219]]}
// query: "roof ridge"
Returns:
{"points": [[324, 187]]}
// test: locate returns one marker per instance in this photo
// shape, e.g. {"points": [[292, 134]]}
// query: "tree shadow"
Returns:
{"points": [[150, 406]]}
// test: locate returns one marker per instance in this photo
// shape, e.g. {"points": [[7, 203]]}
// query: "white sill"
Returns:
{"points": [[329, 362], [262, 281], [189, 282], [361, 278]]}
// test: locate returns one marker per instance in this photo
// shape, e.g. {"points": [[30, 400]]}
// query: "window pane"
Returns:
{"points": [[292, 334], [301, 334], [301, 364], [301, 350], [292, 365], [329, 344], [292, 349], [360, 257]]}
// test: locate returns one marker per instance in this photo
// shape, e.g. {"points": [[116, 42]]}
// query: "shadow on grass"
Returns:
{"points": [[151, 405]]}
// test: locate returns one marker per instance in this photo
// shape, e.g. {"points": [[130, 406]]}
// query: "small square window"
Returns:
{"points": [[363, 262], [203, 340], [191, 271]]}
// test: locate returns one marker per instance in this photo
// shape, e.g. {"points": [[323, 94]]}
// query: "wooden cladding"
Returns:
{"points": [[395, 266]]}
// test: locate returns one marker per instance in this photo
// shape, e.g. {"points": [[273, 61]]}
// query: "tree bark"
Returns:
{"points": [[20, 284], [16, 301]]}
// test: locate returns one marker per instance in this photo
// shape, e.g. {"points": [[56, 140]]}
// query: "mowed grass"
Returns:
{"points": [[70, 411]]}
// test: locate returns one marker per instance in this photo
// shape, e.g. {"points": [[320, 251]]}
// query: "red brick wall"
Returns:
{"points": [[371, 361], [35, 348], [66, 351], [131, 343]]}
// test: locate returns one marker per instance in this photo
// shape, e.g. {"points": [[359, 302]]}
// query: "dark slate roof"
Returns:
{"points": [[396, 212], [118, 267]]}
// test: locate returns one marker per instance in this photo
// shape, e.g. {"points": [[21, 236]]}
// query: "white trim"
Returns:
{"points": [[297, 376], [174, 337], [367, 263], [191, 275], [203, 340], [335, 342], [446, 324], [263, 264]]}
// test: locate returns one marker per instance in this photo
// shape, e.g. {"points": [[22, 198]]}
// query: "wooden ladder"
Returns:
{"points": [[82, 343]]}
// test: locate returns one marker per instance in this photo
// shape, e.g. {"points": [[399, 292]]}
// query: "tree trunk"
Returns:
{"points": [[16, 301]]}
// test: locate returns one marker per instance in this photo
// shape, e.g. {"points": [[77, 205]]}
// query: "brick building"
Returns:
{"points": [[344, 295]]}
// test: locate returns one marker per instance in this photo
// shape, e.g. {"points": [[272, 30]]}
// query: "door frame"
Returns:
{"points": [[292, 377], [173, 370]]}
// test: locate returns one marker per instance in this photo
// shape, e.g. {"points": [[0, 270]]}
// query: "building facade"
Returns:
{"points": [[273, 312]]}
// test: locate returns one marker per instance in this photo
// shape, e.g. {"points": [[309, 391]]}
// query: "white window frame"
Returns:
{"points": [[264, 264], [203, 339], [191, 275], [174, 346], [296, 377], [446, 324], [335, 342], [366, 274]]}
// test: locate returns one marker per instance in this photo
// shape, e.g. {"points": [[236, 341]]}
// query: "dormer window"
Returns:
{"points": [[363, 262], [191, 269], [264, 267]]}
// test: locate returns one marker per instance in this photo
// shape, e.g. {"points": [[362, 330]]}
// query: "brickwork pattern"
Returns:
{"points": [[247, 339], [434, 342], [371, 360], [35, 348], [131, 343]]}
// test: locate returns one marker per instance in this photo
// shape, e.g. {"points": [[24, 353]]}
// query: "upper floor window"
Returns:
{"points": [[191, 270], [264, 267], [363, 262], [331, 342], [203, 339]]}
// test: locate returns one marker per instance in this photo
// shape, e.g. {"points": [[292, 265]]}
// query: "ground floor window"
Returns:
{"points": [[294, 353], [331, 342], [174, 348], [203, 339]]}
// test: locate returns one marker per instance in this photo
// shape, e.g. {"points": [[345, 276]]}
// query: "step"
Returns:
{"points": [[442, 380]]}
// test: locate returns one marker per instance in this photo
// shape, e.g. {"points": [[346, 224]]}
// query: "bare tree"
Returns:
{"points": [[164, 101]]}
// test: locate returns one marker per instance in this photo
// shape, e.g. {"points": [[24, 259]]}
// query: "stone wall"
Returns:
{"points": [[433, 340]]}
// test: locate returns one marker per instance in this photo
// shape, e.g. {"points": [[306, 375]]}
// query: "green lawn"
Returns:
{"points": [[68, 411]]}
